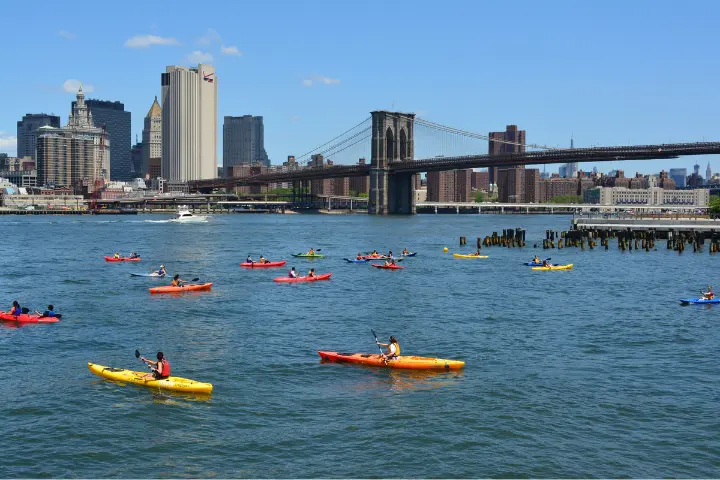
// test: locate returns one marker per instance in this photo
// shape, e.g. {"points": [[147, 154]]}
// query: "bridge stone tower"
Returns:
{"points": [[393, 140]]}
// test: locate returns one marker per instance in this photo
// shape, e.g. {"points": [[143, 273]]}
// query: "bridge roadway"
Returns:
{"points": [[551, 207], [599, 154]]}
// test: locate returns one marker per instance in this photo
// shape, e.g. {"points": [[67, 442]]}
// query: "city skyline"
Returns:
{"points": [[308, 92]]}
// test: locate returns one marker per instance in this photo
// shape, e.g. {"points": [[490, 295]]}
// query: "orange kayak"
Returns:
{"points": [[402, 362], [388, 267], [122, 259], [265, 265], [184, 288], [324, 276], [25, 318]]}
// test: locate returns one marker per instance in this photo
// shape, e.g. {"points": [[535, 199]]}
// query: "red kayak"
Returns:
{"points": [[324, 276], [375, 257], [122, 259], [188, 287], [263, 265], [27, 318], [388, 267]]}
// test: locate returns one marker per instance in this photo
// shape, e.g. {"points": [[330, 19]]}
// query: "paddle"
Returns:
{"points": [[137, 355], [377, 342], [159, 393]]}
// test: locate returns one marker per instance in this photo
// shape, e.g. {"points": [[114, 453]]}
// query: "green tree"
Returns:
{"points": [[714, 204], [479, 196], [566, 199], [363, 195]]}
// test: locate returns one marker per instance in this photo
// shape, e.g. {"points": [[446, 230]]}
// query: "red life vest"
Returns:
{"points": [[164, 368]]}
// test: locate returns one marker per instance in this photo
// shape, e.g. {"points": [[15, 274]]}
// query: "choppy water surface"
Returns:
{"points": [[592, 372]]}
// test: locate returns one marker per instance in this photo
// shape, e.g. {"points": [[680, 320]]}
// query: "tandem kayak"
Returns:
{"points": [[569, 266], [27, 318], [355, 260], [388, 267], [403, 362], [324, 276], [699, 301], [305, 255], [176, 384], [147, 275], [183, 288], [460, 255], [263, 265], [122, 259]]}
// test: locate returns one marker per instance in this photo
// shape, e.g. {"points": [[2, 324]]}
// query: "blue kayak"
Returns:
{"points": [[533, 264], [146, 275], [349, 260], [698, 300], [409, 254]]}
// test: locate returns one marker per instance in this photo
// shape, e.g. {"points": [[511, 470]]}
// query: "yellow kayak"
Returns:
{"points": [[460, 255], [555, 267], [171, 383]]}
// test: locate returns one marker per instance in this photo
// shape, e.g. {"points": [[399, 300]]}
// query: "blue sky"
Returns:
{"points": [[610, 72]]}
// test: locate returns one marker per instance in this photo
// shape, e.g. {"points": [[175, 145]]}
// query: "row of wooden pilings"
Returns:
{"points": [[627, 240], [511, 237]]}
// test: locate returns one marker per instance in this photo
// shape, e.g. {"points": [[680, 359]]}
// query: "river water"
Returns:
{"points": [[592, 372]]}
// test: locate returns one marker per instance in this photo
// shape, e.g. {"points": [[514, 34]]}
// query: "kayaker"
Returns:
{"points": [[477, 252], [249, 259], [536, 259], [50, 312], [393, 348], [390, 263], [160, 369], [292, 273], [311, 252], [16, 309], [117, 255], [709, 295], [311, 273], [262, 259], [390, 255], [177, 282], [161, 272], [546, 263], [359, 256], [134, 255], [406, 251], [375, 253]]}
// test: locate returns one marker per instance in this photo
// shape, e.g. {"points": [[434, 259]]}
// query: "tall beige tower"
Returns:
{"points": [[151, 137], [189, 123]]}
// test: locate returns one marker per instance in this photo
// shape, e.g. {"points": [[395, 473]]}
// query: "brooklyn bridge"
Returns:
{"points": [[393, 163]]}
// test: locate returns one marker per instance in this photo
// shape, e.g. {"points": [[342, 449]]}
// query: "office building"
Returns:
{"points": [[112, 117], [189, 123], [76, 155], [497, 146], [136, 159], [26, 131], [151, 137], [708, 174], [244, 141], [679, 175], [518, 185]]}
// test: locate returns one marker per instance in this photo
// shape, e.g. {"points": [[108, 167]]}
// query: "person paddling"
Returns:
{"points": [[160, 369], [263, 260], [50, 312], [536, 259], [16, 309], [311, 273], [311, 252], [359, 256], [709, 295], [161, 272], [406, 251], [177, 281], [477, 253], [292, 273], [249, 259], [134, 255], [546, 263], [117, 255], [393, 348]]}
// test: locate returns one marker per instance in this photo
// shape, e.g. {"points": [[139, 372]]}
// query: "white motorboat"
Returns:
{"points": [[184, 215]]}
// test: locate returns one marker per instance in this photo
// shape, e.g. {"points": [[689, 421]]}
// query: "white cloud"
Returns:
{"points": [[199, 57], [321, 79], [66, 34], [210, 37], [144, 41], [8, 144], [71, 85], [230, 50]]}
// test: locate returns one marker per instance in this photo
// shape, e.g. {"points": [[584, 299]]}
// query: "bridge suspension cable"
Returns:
{"points": [[316, 149]]}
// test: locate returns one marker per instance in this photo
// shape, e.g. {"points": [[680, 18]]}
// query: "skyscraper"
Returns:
{"points": [[511, 134], [151, 137], [679, 175], [113, 117], [26, 129], [189, 123], [77, 154], [244, 142], [708, 173]]}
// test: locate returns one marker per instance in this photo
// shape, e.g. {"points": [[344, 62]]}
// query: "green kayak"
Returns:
{"points": [[305, 255]]}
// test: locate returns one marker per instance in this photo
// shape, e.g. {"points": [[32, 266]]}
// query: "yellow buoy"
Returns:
{"points": [[445, 249]]}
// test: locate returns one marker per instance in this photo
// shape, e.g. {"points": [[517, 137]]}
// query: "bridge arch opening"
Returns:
{"points": [[390, 144], [403, 145]]}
